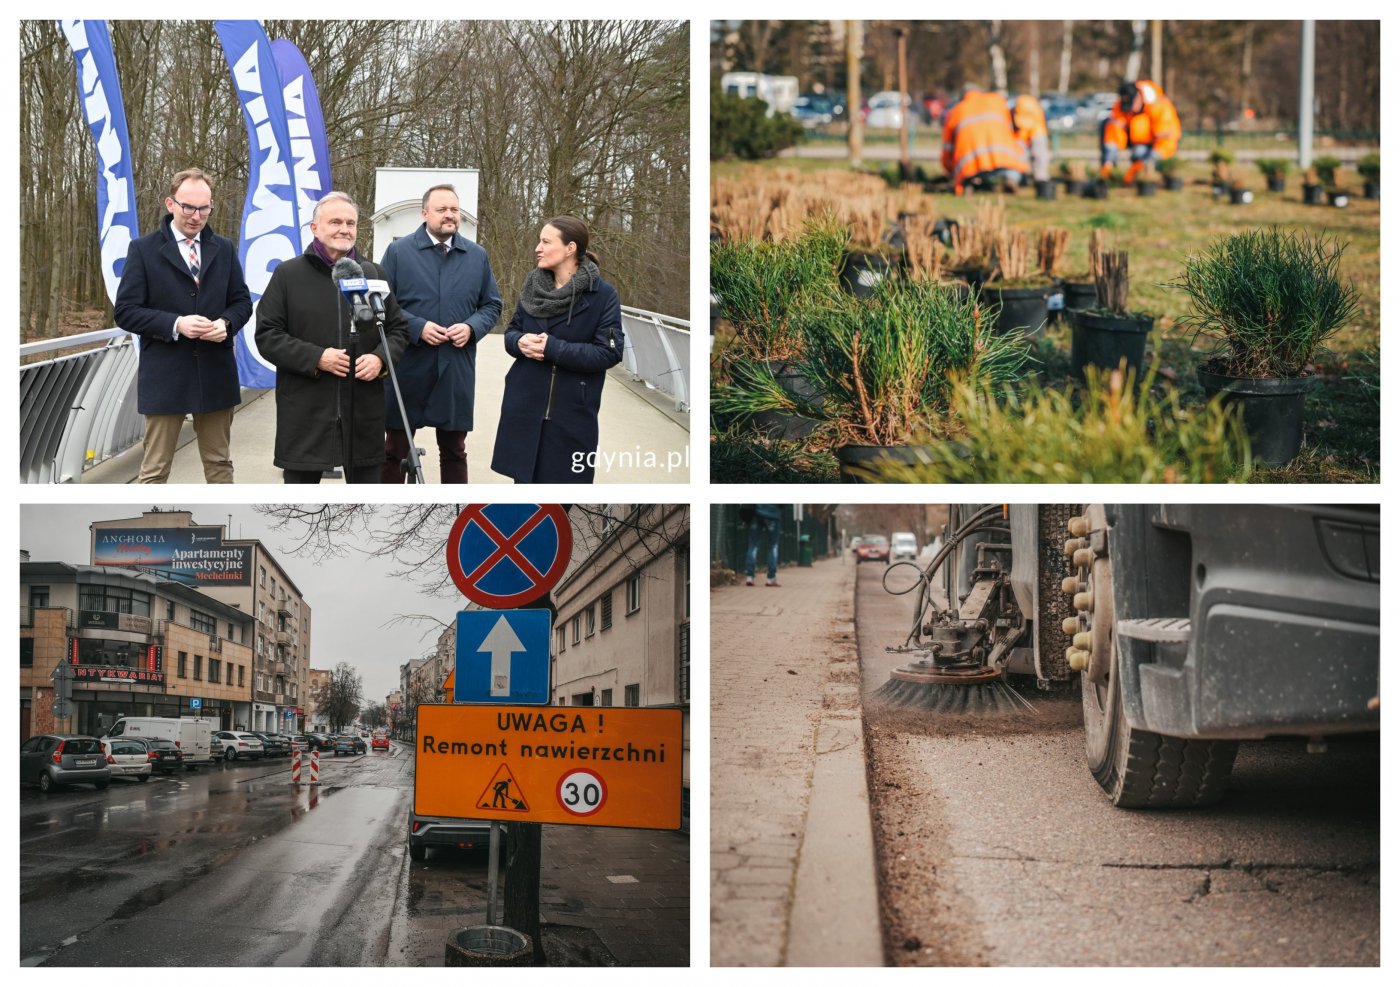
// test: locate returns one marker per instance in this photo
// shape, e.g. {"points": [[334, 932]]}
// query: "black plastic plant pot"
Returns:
{"points": [[1074, 187], [1096, 190], [1339, 199], [1372, 190], [861, 272], [1079, 294], [1272, 410], [1241, 196], [1045, 190], [780, 424], [1146, 188], [1173, 183], [862, 464], [1218, 189], [1105, 341], [1023, 310], [1277, 183], [1314, 195]]}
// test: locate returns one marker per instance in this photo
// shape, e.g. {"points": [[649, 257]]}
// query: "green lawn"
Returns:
{"points": [[1343, 424]]}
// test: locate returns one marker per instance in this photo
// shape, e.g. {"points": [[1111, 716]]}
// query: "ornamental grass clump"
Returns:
{"points": [[1114, 430], [1268, 299], [760, 286], [883, 364]]}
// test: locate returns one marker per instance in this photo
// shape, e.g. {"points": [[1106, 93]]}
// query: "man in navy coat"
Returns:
{"points": [[182, 291], [446, 290]]}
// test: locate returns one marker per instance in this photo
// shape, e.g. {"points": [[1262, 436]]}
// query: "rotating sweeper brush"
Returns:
{"points": [[972, 625]]}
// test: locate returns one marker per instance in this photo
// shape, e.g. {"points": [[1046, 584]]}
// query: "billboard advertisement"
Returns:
{"points": [[193, 556]]}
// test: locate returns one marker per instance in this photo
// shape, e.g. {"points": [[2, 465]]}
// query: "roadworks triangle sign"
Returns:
{"points": [[503, 793]]}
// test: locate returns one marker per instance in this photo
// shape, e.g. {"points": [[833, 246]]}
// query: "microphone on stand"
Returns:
{"points": [[350, 278]]}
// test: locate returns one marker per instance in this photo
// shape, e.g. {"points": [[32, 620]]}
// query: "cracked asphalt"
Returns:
{"points": [[996, 847]]}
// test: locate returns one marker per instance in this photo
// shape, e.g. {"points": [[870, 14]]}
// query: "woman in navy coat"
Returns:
{"points": [[565, 334]]}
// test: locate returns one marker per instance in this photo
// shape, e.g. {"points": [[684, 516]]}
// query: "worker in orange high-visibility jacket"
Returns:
{"points": [[1028, 122], [1143, 120], [979, 143]]}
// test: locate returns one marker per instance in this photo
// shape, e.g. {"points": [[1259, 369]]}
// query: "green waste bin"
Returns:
{"points": [[804, 550]]}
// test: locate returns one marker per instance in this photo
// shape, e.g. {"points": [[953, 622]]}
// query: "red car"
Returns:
{"points": [[875, 548], [379, 742]]}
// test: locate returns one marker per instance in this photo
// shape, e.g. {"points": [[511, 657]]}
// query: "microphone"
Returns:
{"points": [[378, 291], [350, 278]]}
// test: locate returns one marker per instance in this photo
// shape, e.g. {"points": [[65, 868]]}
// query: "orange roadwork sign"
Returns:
{"points": [[590, 766]]}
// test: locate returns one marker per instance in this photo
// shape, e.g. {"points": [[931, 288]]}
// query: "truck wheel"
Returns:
{"points": [[1137, 768], [417, 851]]}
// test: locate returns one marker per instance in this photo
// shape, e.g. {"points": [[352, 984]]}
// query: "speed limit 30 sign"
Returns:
{"points": [[586, 766]]}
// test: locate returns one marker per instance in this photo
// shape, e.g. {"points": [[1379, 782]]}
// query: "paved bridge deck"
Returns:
{"points": [[642, 440]]}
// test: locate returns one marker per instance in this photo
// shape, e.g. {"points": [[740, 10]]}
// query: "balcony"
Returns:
{"points": [[284, 638]]}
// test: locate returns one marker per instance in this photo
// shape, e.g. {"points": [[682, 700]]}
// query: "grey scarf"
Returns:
{"points": [[541, 299]]}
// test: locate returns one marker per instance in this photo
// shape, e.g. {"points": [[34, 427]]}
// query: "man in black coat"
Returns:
{"points": [[325, 416], [182, 291]]}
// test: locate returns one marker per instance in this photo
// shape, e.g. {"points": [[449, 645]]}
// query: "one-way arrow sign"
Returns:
{"points": [[500, 644], [502, 657]]}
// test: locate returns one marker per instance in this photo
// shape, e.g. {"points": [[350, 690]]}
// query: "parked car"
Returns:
{"points": [[903, 546], [192, 733], [379, 742], [274, 744], [886, 109], [348, 744], [442, 831], [166, 756], [1060, 113], [127, 758], [320, 741], [233, 744], [53, 759], [300, 742], [873, 548]]}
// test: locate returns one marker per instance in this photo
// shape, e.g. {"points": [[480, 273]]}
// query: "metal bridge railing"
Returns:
{"points": [[658, 353], [79, 410]]}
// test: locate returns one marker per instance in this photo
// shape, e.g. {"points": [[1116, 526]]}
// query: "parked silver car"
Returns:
{"points": [[127, 758], [54, 759]]}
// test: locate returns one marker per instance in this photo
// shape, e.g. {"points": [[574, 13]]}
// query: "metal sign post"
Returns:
{"points": [[493, 872]]}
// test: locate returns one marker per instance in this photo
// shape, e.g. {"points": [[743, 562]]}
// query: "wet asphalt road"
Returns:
{"points": [[998, 848], [231, 865]]}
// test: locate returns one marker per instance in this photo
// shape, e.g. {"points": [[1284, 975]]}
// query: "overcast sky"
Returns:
{"points": [[352, 599]]}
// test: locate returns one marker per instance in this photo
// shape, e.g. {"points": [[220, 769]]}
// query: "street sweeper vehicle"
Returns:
{"points": [[1190, 627]]}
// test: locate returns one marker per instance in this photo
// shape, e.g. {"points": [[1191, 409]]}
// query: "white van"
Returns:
{"points": [[903, 547], [190, 732]]}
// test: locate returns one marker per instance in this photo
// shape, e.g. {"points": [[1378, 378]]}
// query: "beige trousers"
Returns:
{"points": [[211, 430]]}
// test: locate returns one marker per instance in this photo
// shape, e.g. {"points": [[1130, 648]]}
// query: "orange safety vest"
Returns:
{"points": [[1028, 119], [977, 138]]}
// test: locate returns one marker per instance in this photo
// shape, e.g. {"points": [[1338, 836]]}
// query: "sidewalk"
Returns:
{"points": [[634, 423], [792, 859]]}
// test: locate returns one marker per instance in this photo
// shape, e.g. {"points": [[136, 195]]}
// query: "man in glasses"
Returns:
{"points": [[182, 291]]}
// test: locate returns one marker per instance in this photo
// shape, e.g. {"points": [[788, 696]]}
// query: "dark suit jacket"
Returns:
{"points": [[182, 376]]}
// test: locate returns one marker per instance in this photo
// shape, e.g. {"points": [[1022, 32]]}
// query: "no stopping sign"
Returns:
{"points": [[506, 555]]}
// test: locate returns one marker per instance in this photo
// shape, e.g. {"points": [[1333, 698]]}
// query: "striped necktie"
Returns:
{"points": [[444, 248], [194, 262]]}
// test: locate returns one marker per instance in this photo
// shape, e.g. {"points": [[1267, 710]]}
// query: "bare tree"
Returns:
{"points": [[340, 695]]}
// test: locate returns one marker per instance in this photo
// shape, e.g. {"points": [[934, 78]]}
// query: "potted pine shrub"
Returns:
{"points": [[1146, 180], [1170, 169], [1275, 172], [1221, 161], [1314, 193], [1268, 299], [1370, 168], [1240, 192], [1109, 336], [759, 287], [1073, 175], [1339, 190], [883, 364]]}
